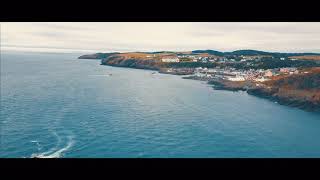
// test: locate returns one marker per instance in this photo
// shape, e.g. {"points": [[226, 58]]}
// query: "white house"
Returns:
{"points": [[149, 56], [211, 70], [198, 74], [170, 59], [294, 72], [262, 79], [268, 73], [286, 70], [237, 78]]}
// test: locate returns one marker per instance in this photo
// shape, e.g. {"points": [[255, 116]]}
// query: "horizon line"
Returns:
{"points": [[128, 51]]}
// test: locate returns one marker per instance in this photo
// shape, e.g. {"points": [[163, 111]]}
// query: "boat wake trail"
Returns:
{"points": [[64, 138], [57, 151]]}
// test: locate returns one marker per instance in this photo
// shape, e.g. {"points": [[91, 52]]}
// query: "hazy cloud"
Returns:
{"points": [[147, 36]]}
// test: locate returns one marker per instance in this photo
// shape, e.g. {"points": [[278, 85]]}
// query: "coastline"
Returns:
{"points": [[136, 64], [252, 88], [248, 87]]}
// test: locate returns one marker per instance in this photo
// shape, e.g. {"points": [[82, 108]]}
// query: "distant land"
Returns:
{"points": [[210, 52], [291, 79]]}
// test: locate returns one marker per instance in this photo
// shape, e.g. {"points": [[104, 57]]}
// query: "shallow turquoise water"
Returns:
{"points": [[55, 105]]}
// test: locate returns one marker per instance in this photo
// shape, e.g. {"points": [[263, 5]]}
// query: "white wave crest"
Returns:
{"points": [[37, 143], [54, 153]]}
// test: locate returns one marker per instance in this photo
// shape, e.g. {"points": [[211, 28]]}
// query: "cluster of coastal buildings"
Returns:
{"points": [[193, 58], [228, 73], [212, 58], [232, 74]]}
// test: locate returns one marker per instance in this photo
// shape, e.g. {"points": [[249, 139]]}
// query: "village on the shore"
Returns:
{"points": [[238, 66], [227, 72]]}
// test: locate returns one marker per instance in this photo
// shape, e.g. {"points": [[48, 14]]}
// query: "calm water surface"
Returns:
{"points": [[54, 105]]}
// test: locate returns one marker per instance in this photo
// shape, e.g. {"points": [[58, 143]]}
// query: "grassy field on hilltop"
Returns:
{"points": [[310, 57]]}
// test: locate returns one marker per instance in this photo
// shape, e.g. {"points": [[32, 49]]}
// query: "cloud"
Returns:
{"points": [[153, 36]]}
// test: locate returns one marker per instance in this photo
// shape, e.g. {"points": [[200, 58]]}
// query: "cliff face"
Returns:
{"points": [[142, 63], [121, 61], [96, 56], [230, 85], [288, 98], [301, 90], [304, 81]]}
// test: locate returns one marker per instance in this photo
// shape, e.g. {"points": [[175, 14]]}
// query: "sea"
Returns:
{"points": [[54, 105]]}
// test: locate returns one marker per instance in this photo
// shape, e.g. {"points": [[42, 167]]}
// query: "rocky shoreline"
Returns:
{"points": [[297, 103], [266, 93], [249, 87]]}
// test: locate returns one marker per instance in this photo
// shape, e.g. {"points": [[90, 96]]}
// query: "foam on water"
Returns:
{"points": [[55, 152], [58, 153], [38, 144]]}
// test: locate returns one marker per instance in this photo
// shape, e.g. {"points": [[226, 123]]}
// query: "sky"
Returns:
{"points": [[160, 36]]}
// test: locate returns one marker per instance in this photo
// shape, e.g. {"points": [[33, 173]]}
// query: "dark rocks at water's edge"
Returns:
{"points": [[196, 78], [220, 85], [292, 102], [89, 56], [267, 93]]}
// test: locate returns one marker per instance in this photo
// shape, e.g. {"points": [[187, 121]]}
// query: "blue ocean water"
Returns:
{"points": [[55, 105]]}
